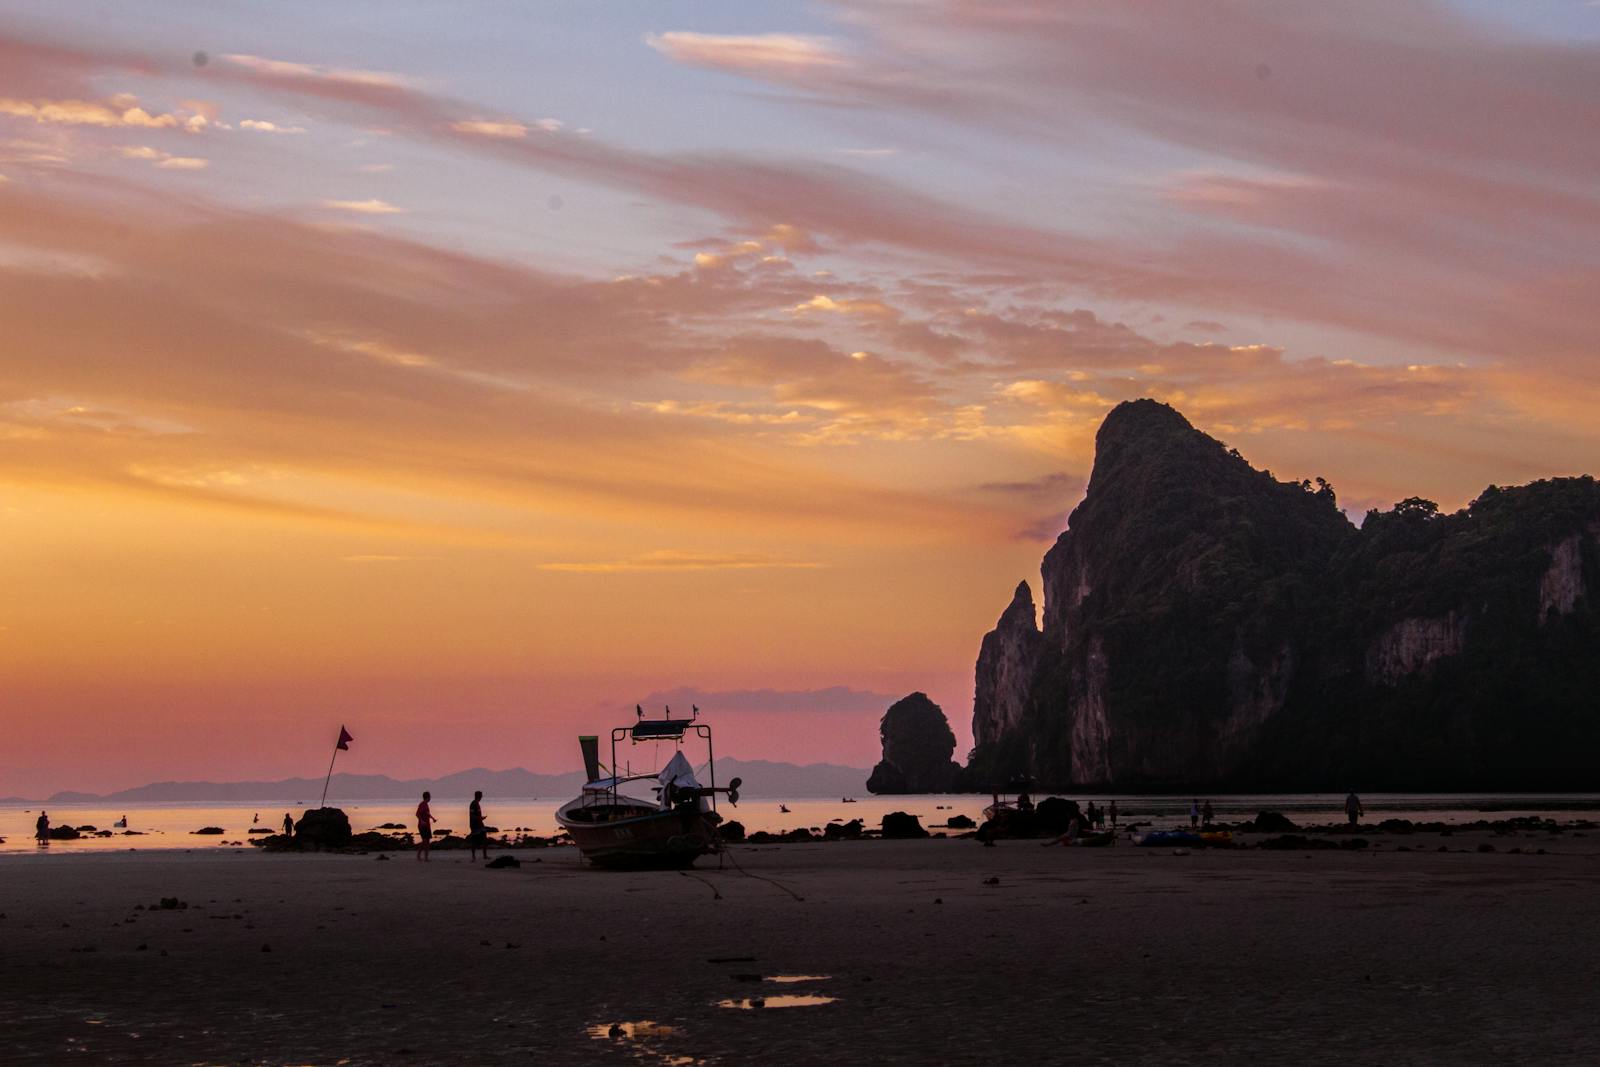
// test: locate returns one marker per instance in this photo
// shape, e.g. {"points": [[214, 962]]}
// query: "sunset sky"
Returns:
{"points": [[467, 373]]}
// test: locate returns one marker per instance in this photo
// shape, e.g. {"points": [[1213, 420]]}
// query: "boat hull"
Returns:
{"points": [[672, 838]]}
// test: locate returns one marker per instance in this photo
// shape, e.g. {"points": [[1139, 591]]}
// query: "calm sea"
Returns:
{"points": [[171, 826]]}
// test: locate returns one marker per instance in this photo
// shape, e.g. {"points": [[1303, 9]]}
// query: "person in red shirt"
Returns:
{"points": [[424, 827]]}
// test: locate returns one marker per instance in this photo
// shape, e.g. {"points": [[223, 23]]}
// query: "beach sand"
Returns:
{"points": [[1121, 955]]}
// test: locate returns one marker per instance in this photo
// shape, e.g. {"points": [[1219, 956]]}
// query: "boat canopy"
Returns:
{"points": [[659, 729]]}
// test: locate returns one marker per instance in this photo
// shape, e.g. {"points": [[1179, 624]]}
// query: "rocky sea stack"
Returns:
{"points": [[1207, 625], [917, 746]]}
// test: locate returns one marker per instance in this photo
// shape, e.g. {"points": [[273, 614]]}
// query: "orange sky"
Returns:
{"points": [[469, 386]]}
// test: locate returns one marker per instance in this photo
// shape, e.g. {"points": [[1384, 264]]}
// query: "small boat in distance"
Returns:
{"points": [[613, 825]]}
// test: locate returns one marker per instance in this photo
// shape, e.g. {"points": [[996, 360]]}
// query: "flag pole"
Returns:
{"points": [[323, 802]]}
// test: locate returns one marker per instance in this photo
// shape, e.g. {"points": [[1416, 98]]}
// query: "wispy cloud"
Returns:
{"points": [[164, 160], [749, 53], [364, 207], [671, 560], [288, 69], [264, 126]]}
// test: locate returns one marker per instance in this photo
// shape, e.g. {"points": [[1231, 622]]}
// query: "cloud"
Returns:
{"points": [[288, 70], [263, 126], [486, 128], [765, 53], [164, 160], [832, 699], [364, 207], [122, 111], [674, 561]]}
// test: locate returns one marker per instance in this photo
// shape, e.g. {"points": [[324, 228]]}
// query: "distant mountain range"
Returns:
{"points": [[762, 778]]}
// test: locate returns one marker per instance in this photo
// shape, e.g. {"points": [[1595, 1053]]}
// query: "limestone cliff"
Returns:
{"points": [[1206, 624], [1006, 661]]}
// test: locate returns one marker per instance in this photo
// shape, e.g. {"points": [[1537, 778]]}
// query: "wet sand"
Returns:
{"points": [[1074, 955]]}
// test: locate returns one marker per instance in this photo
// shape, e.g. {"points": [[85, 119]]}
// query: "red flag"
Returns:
{"points": [[344, 739]]}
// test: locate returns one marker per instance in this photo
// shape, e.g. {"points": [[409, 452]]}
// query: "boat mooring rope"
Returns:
{"points": [[727, 852], [716, 894]]}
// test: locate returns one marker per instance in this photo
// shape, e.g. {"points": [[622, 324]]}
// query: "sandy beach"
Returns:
{"points": [[938, 951]]}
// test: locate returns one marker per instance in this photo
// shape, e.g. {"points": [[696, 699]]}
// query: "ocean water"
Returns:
{"points": [[171, 826]]}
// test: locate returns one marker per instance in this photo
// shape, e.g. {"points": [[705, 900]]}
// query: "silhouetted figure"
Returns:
{"points": [[1113, 813], [1353, 809], [1194, 813], [424, 827], [122, 822], [255, 818], [1024, 802], [1206, 814], [288, 825], [1094, 815], [477, 836], [41, 827]]}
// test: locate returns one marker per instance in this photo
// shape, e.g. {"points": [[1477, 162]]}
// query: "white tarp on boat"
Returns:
{"points": [[680, 773]]}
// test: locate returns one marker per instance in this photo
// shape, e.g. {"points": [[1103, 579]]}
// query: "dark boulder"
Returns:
{"points": [[1054, 815], [64, 833], [732, 832], [501, 862], [917, 748], [212, 831], [1272, 822], [960, 822], [842, 831], [322, 828], [898, 824], [1397, 826]]}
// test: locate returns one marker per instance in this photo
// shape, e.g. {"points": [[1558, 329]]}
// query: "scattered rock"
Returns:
{"points": [[64, 833], [502, 862], [898, 824], [960, 822], [732, 832], [1485, 847], [1272, 822], [993, 879], [210, 830], [383, 857], [322, 828], [170, 904], [266, 948], [843, 831]]}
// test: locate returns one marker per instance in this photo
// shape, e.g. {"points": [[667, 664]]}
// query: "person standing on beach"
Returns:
{"points": [[1194, 813], [41, 827], [477, 836], [288, 825], [1353, 809], [1111, 810], [1206, 814], [424, 827]]}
